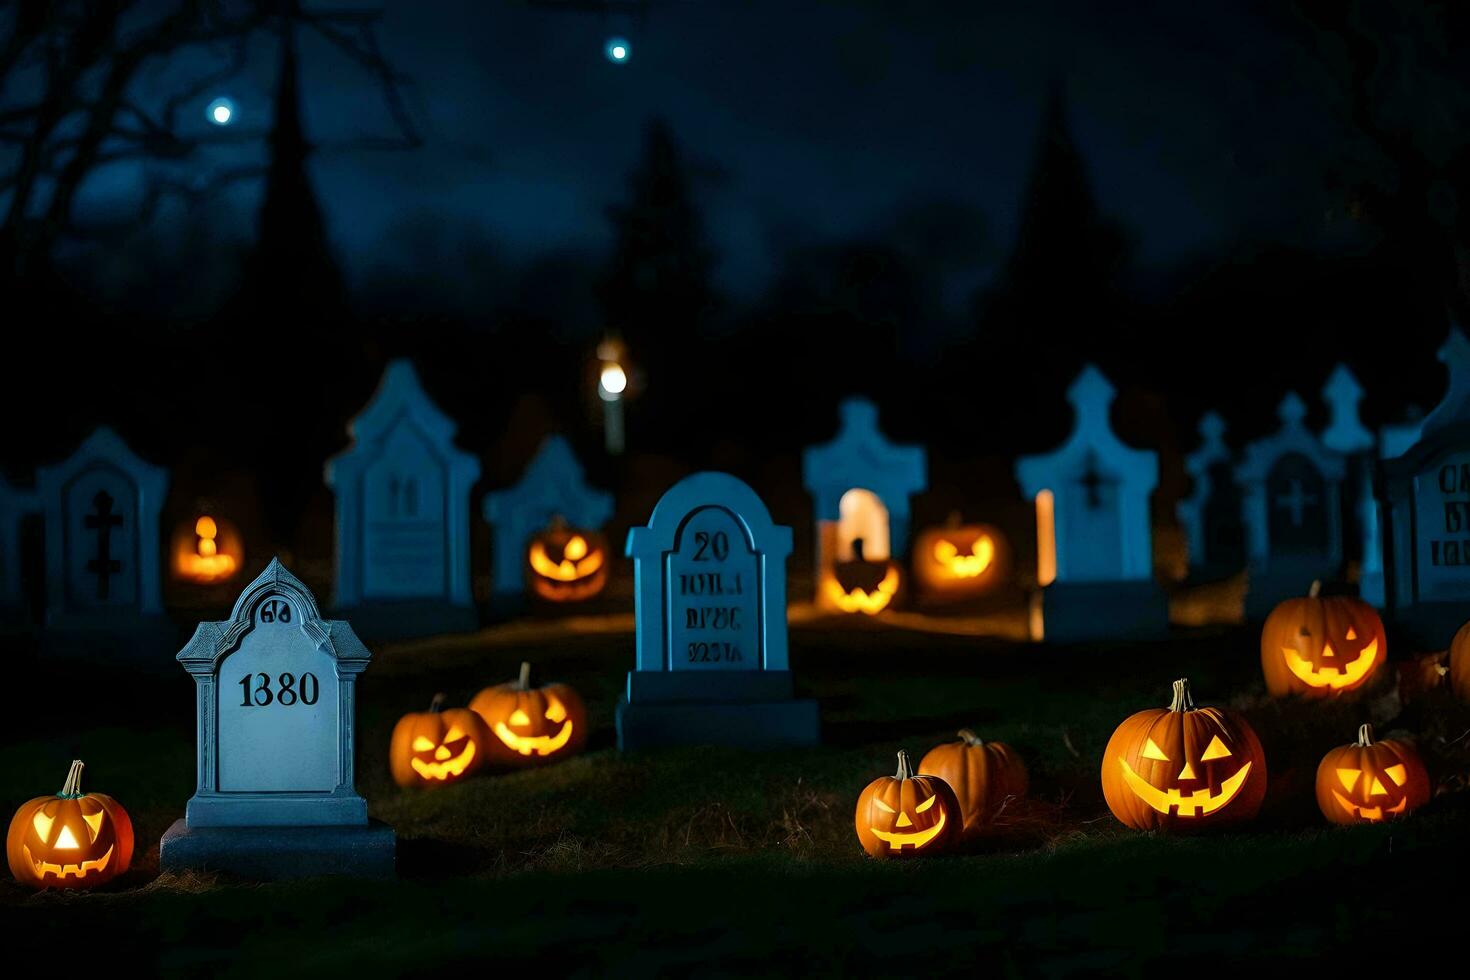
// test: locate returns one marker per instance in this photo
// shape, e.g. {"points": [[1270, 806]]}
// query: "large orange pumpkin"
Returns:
{"points": [[905, 815], [1368, 781], [1183, 768], [530, 724], [983, 775], [437, 747], [70, 840], [1321, 646], [1460, 663]]}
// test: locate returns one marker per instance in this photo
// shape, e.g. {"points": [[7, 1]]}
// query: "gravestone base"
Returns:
{"points": [[737, 724], [1266, 590], [407, 620], [1086, 611], [275, 853]]}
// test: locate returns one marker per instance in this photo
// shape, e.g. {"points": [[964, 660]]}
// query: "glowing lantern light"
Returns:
{"points": [[210, 554], [612, 382], [1046, 539], [221, 112]]}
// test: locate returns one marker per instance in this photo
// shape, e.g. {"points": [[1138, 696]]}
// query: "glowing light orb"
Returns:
{"points": [[617, 50], [221, 112], [613, 382]]}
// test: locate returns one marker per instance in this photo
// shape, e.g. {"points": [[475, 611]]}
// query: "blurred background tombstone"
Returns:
{"points": [[1393, 440], [1211, 513], [1094, 536], [1291, 491], [403, 534]]}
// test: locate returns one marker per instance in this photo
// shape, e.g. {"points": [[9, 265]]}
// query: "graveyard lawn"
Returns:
{"points": [[734, 861]]}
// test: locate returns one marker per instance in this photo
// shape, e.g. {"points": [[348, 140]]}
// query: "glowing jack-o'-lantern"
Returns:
{"points": [[985, 776], [70, 840], [1321, 646], [904, 815], [1183, 768], [1459, 669], [437, 747], [565, 564], [208, 551], [958, 560], [1368, 781], [861, 585], [530, 724]]}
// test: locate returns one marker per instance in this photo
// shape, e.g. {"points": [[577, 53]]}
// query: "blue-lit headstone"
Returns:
{"points": [[221, 112], [617, 50]]}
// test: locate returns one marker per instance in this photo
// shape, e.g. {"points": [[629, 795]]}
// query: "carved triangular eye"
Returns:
{"points": [[454, 734], [1397, 773], [1152, 751], [43, 823], [421, 744], [555, 711], [1215, 750], [925, 805], [94, 823], [66, 840], [1348, 778]]}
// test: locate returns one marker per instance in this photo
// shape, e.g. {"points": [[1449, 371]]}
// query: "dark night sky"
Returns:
{"points": [[1201, 124]]}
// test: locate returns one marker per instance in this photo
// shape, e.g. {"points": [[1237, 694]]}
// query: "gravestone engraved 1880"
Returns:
{"points": [[102, 545], [1211, 513], [711, 665], [403, 530], [275, 693], [1094, 491], [1290, 487]]}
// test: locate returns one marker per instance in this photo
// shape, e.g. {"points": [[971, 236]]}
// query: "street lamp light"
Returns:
{"points": [[612, 383]]}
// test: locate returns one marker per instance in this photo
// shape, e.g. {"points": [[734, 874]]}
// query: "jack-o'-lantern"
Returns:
{"points": [[1183, 768], [861, 585], [904, 815], [70, 840], [960, 560], [1459, 674], [207, 551], [565, 564], [530, 724], [437, 747], [1369, 782], [985, 776], [1321, 646]]}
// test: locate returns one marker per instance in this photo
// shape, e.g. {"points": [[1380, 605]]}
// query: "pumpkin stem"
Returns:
{"points": [[524, 683], [72, 788], [437, 705], [970, 738], [1365, 735], [905, 766], [1183, 697], [1316, 589]]}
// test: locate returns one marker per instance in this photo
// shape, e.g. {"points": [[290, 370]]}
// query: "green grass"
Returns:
{"points": [[730, 861]]}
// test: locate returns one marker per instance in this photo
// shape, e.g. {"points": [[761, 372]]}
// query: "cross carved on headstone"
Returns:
{"points": [[1093, 482], [1296, 501], [104, 565]]}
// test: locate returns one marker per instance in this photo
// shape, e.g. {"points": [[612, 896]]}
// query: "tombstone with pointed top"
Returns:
{"points": [[15, 504], [1098, 492], [1291, 491], [860, 460], [1210, 515], [1425, 517], [711, 642], [275, 699], [552, 488], [1345, 434], [403, 527], [101, 509]]}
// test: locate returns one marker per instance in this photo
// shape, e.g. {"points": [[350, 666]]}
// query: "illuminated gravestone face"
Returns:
{"points": [[711, 624]]}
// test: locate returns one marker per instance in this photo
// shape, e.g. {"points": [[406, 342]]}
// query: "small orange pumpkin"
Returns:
{"points": [[530, 724], [1460, 663], [983, 775], [1183, 768], [1368, 781], [905, 815], [437, 747], [70, 840], [1321, 646], [566, 564]]}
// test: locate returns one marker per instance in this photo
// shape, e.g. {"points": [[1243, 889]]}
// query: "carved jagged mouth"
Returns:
{"points": [[857, 600], [1372, 814], [966, 566], [1195, 804], [898, 841], [446, 769], [61, 871], [1332, 676], [533, 744]]}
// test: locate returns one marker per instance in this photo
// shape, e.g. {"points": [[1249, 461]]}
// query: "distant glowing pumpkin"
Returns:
{"points": [[905, 816], [960, 560], [862, 586], [985, 776], [1321, 646], [1369, 782], [565, 564], [208, 551], [437, 747], [70, 840], [530, 724]]}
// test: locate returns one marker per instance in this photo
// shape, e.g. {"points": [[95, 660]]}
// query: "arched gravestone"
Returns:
{"points": [[1425, 517], [15, 504], [275, 700], [553, 486], [711, 665], [101, 511], [860, 458], [1211, 513], [1099, 489], [1290, 486], [403, 528]]}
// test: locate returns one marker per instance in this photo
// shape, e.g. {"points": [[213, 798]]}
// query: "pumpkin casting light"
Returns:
{"points": [[566, 564], [904, 815], [984, 776], [207, 552], [1321, 646], [861, 585], [437, 747], [530, 724], [960, 561], [1368, 781], [1183, 768], [70, 840]]}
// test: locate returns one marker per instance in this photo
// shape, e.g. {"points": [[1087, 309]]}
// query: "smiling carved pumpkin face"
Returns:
{"points": [[904, 815], [566, 564], [1321, 646], [960, 560], [437, 747], [1369, 782], [530, 724], [1183, 768], [70, 840], [862, 586]]}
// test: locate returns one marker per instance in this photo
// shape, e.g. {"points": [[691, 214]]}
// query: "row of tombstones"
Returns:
{"points": [[402, 492]]}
